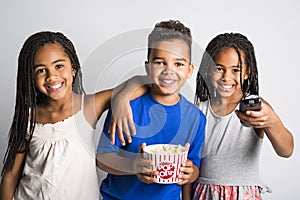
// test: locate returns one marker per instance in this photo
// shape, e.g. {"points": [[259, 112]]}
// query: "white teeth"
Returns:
{"points": [[55, 86], [168, 81], [227, 86]]}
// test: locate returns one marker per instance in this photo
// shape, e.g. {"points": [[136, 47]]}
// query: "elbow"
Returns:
{"points": [[290, 150], [100, 165], [286, 148], [287, 153]]}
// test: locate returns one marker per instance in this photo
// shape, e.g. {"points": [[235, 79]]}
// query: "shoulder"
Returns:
{"points": [[144, 99], [102, 96], [91, 108], [186, 102], [190, 107], [99, 101], [203, 105]]}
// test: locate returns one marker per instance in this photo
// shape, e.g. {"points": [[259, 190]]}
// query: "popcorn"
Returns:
{"points": [[165, 149], [167, 160]]}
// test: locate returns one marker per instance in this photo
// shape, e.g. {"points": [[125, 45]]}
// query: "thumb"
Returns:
{"points": [[142, 146], [187, 145]]}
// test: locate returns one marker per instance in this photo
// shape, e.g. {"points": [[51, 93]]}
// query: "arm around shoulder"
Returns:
{"points": [[126, 91]]}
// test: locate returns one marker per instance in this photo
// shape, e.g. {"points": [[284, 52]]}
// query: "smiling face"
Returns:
{"points": [[169, 67], [225, 75], [53, 71]]}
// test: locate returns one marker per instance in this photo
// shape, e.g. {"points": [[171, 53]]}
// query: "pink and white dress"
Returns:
{"points": [[230, 159]]}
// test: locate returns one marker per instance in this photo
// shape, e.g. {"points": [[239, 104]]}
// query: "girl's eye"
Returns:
{"points": [[59, 66], [218, 69], [39, 71], [236, 70]]}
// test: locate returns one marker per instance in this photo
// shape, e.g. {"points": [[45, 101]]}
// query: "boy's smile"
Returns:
{"points": [[168, 67]]}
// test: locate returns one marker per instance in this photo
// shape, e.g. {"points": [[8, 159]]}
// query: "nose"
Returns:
{"points": [[168, 70], [226, 75], [51, 75]]}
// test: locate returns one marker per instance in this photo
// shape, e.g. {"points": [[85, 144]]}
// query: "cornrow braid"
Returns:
{"points": [[27, 94], [241, 44], [169, 30]]}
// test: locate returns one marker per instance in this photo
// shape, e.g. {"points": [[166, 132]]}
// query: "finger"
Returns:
{"points": [[111, 124], [143, 166], [126, 132], [182, 182], [185, 175], [146, 179], [184, 179], [187, 145], [254, 114], [142, 146], [120, 134], [240, 115], [244, 117], [186, 170], [252, 120], [132, 126], [112, 132], [187, 164]]}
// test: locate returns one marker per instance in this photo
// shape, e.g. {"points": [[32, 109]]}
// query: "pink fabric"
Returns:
{"points": [[219, 192]]}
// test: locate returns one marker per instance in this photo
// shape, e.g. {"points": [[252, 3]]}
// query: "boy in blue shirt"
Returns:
{"points": [[161, 116]]}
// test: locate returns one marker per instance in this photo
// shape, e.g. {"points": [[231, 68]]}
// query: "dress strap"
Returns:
{"points": [[82, 102]]}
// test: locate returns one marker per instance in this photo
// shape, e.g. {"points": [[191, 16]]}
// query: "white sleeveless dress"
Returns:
{"points": [[60, 163]]}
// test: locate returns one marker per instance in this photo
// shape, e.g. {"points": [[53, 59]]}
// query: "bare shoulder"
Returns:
{"points": [[96, 104], [89, 109]]}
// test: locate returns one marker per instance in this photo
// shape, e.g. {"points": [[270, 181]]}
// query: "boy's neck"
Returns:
{"points": [[167, 100]]}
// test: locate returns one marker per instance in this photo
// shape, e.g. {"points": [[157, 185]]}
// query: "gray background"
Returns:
{"points": [[272, 27]]}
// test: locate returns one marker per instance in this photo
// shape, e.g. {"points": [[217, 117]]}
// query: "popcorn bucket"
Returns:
{"points": [[167, 160]]}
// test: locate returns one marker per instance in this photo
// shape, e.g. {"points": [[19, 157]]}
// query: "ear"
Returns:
{"points": [[247, 74], [147, 67], [190, 70], [73, 72]]}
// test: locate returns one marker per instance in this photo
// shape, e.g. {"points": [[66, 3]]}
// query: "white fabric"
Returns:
{"points": [[60, 163], [231, 151]]}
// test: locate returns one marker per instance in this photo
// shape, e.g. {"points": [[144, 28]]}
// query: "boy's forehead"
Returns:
{"points": [[177, 47]]}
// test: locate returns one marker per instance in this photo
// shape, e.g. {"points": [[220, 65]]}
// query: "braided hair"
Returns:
{"points": [[241, 45], [27, 94], [169, 30]]}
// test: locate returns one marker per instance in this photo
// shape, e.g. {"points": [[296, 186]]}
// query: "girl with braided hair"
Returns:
{"points": [[51, 149], [231, 151]]}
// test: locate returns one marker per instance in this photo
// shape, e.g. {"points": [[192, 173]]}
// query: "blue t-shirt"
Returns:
{"points": [[155, 124]]}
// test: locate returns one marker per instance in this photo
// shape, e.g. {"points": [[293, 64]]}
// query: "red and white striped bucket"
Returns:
{"points": [[166, 162]]}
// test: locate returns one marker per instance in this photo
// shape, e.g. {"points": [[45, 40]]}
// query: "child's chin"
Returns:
{"points": [[169, 91]]}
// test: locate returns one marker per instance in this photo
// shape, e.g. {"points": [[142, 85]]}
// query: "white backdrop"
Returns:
{"points": [[90, 24]]}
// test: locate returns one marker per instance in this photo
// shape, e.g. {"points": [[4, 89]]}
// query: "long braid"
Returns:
{"points": [[27, 94], [241, 44]]}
